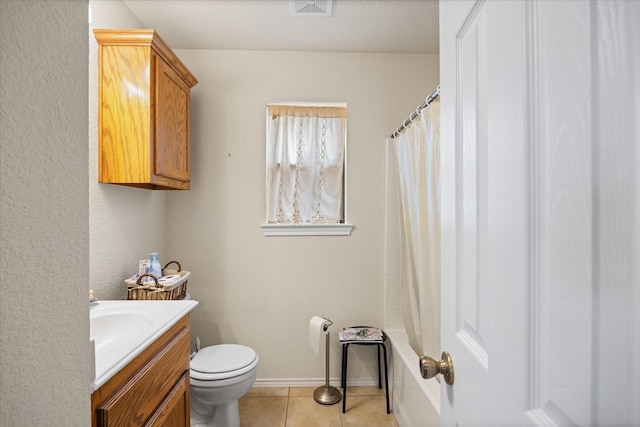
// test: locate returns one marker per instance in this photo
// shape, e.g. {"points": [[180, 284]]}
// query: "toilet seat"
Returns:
{"points": [[223, 361]]}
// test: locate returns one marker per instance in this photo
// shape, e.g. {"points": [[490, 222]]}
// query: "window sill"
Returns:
{"points": [[306, 229]]}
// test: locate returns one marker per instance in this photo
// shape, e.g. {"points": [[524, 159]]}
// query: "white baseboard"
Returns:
{"points": [[312, 382]]}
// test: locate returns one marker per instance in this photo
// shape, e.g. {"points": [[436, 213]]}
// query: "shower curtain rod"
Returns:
{"points": [[415, 114]]}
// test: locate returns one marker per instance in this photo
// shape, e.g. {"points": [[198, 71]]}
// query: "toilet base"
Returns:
{"points": [[223, 416]]}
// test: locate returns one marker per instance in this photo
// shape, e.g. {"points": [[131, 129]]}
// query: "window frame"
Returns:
{"points": [[343, 228]]}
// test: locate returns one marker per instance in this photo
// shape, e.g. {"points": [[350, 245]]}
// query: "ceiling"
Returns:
{"points": [[380, 26]]}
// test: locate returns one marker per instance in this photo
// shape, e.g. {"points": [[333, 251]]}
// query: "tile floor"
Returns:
{"points": [[295, 407]]}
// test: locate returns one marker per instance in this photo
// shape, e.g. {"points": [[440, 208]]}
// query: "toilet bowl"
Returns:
{"points": [[220, 375]]}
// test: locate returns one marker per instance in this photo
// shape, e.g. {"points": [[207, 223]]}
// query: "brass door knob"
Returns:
{"points": [[429, 367]]}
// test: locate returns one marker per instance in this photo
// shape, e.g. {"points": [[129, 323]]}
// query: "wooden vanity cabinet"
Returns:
{"points": [[144, 92], [152, 390]]}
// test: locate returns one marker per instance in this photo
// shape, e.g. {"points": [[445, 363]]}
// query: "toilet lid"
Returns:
{"points": [[223, 361]]}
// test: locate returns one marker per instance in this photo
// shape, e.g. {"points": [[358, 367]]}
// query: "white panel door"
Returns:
{"points": [[540, 195]]}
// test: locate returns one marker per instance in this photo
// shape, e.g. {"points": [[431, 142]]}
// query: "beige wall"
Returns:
{"points": [[44, 215], [255, 290], [262, 291]]}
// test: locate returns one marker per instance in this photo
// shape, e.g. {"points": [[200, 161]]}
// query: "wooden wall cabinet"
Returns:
{"points": [[144, 136], [152, 390]]}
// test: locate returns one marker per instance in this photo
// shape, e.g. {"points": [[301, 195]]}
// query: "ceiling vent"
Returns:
{"points": [[311, 7]]}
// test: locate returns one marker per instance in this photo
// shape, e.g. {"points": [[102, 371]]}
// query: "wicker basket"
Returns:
{"points": [[156, 290]]}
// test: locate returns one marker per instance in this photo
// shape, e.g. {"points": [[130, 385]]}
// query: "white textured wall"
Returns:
{"points": [[262, 291], [126, 224], [44, 215]]}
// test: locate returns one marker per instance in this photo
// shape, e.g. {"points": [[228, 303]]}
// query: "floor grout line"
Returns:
{"points": [[286, 412]]}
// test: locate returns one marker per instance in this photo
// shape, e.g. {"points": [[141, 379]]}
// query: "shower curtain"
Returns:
{"points": [[417, 155]]}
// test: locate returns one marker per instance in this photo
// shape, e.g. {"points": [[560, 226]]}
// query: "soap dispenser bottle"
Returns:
{"points": [[155, 269]]}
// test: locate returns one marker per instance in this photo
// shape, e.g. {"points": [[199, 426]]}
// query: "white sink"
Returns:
{"points": [[114, 325], [120, 330]]}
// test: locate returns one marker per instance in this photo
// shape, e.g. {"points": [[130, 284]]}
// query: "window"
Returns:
{"points": [[306, 150]]}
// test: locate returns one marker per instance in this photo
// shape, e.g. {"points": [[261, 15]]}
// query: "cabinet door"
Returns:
{"points": [[174, 410], [172, 142], [152, 390]]}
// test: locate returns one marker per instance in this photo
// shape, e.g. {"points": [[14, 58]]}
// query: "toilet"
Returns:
{"points": [[220, 375]]}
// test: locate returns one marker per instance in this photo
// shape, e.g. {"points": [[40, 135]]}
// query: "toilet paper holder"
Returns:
{"points": [[327, 394]]}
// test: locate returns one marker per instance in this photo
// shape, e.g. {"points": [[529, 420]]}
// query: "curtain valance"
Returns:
{"points": [[276, 111]]}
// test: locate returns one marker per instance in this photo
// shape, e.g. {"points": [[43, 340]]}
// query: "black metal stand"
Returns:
{"points": [[345, 357]]}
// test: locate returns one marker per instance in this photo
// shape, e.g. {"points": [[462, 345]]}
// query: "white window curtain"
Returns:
{"points": [[417, 150], [305, 164]]}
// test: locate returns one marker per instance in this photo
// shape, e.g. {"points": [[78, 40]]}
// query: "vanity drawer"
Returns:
{"points": [[150, 386]]}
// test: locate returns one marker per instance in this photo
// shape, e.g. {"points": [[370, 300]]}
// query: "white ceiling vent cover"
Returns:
{"points": [[311, 7]]}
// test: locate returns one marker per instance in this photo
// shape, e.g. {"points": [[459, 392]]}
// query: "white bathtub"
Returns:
{"points": [[416, 401]]}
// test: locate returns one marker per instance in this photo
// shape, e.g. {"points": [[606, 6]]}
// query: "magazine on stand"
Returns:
{"points": [[360, 334]]}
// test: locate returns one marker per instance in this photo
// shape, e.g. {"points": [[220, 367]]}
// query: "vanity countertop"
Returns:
{"points": [[121, 330]]}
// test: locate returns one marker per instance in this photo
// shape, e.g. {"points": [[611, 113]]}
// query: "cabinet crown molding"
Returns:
{"points": [[149, 38]]}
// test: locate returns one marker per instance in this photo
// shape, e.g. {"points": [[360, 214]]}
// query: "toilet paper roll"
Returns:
{"points": [[317, 332]]}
